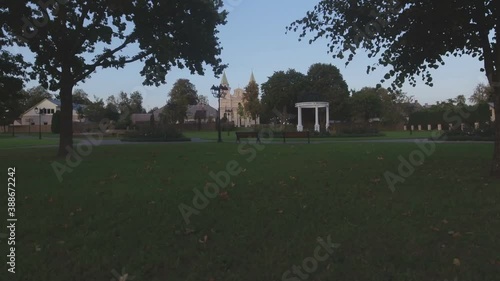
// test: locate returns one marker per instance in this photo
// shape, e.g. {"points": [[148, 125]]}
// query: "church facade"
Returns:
{"points": [[231, 105]]}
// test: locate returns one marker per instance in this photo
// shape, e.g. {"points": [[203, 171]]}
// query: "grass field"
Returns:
{"points": [[8, 142], [213, 135], [119, 210]]}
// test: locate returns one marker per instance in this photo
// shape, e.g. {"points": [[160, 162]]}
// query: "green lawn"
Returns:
{"points": [[8, 142], [213, 135], [119, 209]]}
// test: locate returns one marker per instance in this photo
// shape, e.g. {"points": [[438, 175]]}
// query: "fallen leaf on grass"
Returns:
{"points": [[380, 158], [435, 228], [456, 262], [279, 211], [224, 195], [204, 240]]}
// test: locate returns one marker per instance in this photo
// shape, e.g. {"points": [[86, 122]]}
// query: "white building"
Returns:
{"points": [[30, 117], [230, 103]]}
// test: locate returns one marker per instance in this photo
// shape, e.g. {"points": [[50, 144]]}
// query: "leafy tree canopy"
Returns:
{"points": [[73, 39], [411, 37], [281, 91], [327, 81], [367, 103], [182, 95], [251, 102]]}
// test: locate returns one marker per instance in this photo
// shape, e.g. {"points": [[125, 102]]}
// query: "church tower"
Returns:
{"points": [[252, 78], [224, 81]]}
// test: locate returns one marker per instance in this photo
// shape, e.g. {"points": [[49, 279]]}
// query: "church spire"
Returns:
{"points": [[252, 78], [224, 81]]}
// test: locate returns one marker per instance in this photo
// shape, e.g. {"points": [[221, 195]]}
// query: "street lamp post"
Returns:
{"points": [[218, 92], [229, 112], [39, 111]]}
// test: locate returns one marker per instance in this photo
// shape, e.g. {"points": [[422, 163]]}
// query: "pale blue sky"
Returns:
{"points": [[254, 39]]}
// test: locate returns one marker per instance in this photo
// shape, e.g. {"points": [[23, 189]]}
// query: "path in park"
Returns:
{"points": [[277, 142]]}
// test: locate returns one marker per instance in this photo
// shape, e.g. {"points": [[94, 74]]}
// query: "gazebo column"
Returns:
{"points": [[316, 124], [300, 128], [327, 117]]}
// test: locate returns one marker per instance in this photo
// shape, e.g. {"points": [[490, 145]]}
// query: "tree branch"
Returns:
{"points": [[91, 68]]}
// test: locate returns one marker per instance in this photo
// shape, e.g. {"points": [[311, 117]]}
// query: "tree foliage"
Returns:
{"points": [[367, 104], [251, 102], [182, 95], [482, 93], [35, 95], [281, 91], [327, 81], [12, 72], [95, 111], [73, 39], [203, 100], [122, 106], [410, 38], [55, 127]]}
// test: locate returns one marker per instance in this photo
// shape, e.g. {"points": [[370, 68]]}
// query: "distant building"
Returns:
{"points": [[30, 117], [230, 103], [207, 113]]}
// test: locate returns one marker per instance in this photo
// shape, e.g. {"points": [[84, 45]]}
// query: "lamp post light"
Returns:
{"points": [[218, 92], [40, 111]]}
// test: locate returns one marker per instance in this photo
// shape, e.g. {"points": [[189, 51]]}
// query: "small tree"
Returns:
{"points": [[55, 127], [182, 95], [251, 100], [241, 111]]}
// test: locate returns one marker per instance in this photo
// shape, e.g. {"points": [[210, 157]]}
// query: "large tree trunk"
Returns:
{"points": [[495, 165], [66, 95]]}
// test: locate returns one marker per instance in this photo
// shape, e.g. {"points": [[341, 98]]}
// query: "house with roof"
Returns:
{"points": [[31, 117], [204, 111]]}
